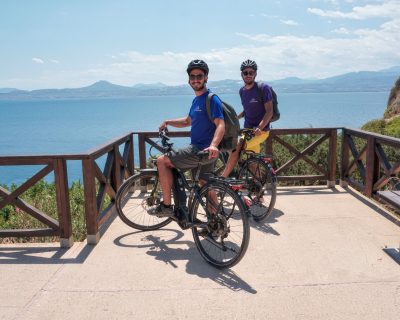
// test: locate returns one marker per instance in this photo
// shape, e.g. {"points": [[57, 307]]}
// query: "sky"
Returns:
{"points": [[74, 43]]}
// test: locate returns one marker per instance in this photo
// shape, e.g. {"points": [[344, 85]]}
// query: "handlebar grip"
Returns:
{"points": [[203, 154]]}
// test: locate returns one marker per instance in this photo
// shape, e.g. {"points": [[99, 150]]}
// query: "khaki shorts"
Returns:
{"points": [[254, 144], [187, 159]]}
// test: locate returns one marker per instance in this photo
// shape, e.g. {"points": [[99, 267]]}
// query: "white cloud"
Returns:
{"points": [[37, 60], [290, 22], [257, 37], [54, 61], [341, 31], [385, 9]]}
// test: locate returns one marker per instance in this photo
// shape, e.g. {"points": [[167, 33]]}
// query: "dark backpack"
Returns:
{"points": [[232, 126], [276, 114]]}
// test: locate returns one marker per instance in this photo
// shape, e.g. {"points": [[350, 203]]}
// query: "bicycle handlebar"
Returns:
{"points": [[248, 133], [168, 145]]}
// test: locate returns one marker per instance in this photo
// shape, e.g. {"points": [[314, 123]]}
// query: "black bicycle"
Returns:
{"points": [[259, 175], [215, 211]]}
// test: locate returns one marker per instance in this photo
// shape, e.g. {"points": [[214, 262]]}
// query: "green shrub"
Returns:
{"points": [[377, 126], [393, 128], [42, 196]]}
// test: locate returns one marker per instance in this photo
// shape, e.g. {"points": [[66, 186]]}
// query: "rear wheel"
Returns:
{"points": [[260, 184], [135, 196], [224, 241]]}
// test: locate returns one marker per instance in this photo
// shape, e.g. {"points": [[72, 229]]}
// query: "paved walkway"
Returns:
{"points": [[320, 256]]}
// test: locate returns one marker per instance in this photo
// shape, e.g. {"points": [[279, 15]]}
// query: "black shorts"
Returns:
{"points": [[186, 159]]}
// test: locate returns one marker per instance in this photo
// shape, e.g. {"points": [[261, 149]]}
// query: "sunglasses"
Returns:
{"points": [[196, 76], [248, 73]]}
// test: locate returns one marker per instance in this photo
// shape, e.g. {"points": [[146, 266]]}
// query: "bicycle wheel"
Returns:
{"points": [[225, 240], [260, 184], [135, 196]]}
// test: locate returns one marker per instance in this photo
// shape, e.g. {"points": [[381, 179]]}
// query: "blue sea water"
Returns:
{"points": [[74, 126]]}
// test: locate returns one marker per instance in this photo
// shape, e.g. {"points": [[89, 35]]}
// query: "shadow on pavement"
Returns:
{"points": [[42, 255], [160, 248], [304, 190], [265, 226]]}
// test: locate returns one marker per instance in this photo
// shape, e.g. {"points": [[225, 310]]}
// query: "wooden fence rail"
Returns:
{"points": [[62, 226], [102, 182], [370, 163]]}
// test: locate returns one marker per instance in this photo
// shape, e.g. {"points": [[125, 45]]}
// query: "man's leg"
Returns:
{"points": [[232, 160], [164, 209], [165, 166]]}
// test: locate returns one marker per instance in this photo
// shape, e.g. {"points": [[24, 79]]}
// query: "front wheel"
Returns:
{"points": [[224, 241], [135, 196], [260, 183]]}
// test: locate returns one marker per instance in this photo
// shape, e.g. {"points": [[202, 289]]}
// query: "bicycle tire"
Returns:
{"points": [[228, 233], [133, 199], [260, 187]]}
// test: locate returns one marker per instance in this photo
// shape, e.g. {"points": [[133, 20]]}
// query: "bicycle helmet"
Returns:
{"points": [[197, 64], [248, 64]]}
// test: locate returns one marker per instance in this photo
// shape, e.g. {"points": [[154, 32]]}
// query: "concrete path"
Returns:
{"points": [[320, 256]]}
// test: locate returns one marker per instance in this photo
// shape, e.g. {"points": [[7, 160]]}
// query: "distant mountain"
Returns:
{"points": [[142, 86], [363, 81], [7, 90]]}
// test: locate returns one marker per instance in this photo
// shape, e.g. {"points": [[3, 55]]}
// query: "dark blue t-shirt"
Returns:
{"points": [[254, 109], [203, 129]]}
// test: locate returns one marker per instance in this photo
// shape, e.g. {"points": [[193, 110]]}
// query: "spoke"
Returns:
{"points": [[219, 245]]}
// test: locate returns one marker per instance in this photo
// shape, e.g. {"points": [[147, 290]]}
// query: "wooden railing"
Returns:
{"points": [[324, 171], [97, 183], [369, 163], [101, 184], [60, 227]]}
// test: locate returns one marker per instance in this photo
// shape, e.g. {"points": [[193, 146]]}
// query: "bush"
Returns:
{"points": [[43, 196], [377, 126], [393, 128]]}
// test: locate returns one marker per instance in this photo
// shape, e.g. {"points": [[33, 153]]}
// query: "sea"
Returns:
{"points": [[74, 126]]}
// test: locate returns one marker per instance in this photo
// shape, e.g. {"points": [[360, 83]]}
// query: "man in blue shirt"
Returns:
{"points": [[204, 135]]}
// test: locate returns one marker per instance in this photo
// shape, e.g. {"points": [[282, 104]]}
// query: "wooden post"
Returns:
{"points": [[91, 211], [344, 163], [131, 156], [332, 159], [116, 168], [142, 151], [268, 143], [371, 162], [63, 207]]}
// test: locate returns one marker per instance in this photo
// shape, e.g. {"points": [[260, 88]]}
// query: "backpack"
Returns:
{"points": [[232, 126], [276, 114]]}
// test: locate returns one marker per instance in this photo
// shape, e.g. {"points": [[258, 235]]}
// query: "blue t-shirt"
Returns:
{"points": [[203, 129], [253, 107]]}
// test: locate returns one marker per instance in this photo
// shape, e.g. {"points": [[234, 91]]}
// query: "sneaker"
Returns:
{"points": [[161, 210]]}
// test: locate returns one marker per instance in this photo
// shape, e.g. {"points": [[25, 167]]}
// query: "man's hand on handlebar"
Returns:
{"points": [[163, 126], [212, 152], [257, 131]]}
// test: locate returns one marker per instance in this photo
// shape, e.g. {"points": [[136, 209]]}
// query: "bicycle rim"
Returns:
{"points": [[225, 241], [133, 199], [260, 188]]}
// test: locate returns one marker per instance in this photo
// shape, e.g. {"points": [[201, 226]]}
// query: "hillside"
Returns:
{"points": [[390, 122]]}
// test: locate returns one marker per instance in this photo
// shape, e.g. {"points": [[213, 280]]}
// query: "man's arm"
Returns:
{"points": [[177, 123], [240, 115], [218, 135], [266, 119]]}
